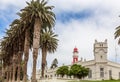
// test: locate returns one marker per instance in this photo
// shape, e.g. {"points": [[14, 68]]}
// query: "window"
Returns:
{"points": [[101, 57], [51, 76], [55, 75], [110, 74], [90, 74], [101, 45], [119, 75], [101, 72]]}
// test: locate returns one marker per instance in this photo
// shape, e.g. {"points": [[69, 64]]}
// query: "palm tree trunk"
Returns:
{"points": [[36, 41], [10, 74], [3, 72], [14, 68], [19, 66], [25, 71], [13, 77], [26, 54], [18, 74], [10, 70], [7, 76], [44, 53]]}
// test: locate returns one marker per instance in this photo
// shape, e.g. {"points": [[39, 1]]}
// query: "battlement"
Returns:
{"points": [[100, 44], [100, 51]]}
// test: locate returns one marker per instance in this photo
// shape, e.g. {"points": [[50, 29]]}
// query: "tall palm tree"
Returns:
{"points": [[39, 14], [20, 53], [28, 36], [12, 48], [7, 49], [24, 42], [6, 58], [26, 54], [117, 34], [18, 35], [48, 43]]}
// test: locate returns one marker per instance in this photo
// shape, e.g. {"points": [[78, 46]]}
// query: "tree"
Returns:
{"points": [[12, 47], [78, 71], [24, 33], [8, 48], [12, 50], [26, 53], [117, 34], [41, 16], [75, 70], [48, 43], [84, 72], [54, 63], [62, 70], [17, 25]]}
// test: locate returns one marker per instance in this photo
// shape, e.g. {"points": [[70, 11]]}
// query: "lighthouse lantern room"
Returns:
{"points": [[75, 55]]}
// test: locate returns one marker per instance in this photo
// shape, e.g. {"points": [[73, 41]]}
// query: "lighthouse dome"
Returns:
{"points": [[75, 50]]}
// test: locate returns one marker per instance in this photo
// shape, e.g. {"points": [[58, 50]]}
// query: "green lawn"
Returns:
{"points": [[98, 81]]}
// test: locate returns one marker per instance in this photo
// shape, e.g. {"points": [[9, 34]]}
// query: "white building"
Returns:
{"points": [[100, 68]]}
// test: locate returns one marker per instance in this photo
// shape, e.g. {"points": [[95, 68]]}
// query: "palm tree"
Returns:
{"points": [[26, 54], [13, 48], [6, 57], [18, 34], [24, 45], [38, 14], [48, 43], [7, 51], [117, 34]]}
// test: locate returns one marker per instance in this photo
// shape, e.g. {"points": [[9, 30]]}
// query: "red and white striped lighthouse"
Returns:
{"points": [[75, 55]]}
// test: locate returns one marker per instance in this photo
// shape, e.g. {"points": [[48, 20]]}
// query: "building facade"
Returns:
{"points": [[100, 68]]}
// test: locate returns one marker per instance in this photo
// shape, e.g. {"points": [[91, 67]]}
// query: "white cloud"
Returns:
{"points": [[79, 5], [16, 3]]}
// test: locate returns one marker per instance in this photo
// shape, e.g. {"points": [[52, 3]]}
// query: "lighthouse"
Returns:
{"points": [[75, 55]]}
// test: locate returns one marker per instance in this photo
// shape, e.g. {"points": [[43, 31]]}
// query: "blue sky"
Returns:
{"points": [[78, 23], [7, 15], [67, 16]]}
